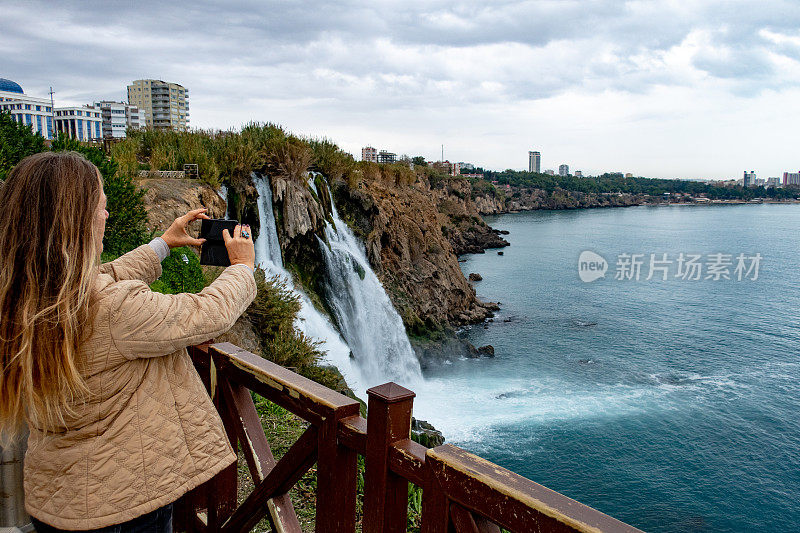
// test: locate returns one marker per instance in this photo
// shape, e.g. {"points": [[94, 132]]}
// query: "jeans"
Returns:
{"points": [[159, 521]]}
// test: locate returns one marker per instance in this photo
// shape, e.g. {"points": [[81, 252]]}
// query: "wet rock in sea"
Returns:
{"points": [[474, 276], [499, 253], [486, 351], [424, 433]]}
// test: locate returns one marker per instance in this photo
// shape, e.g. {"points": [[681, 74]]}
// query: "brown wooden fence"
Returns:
{"points": [[460, 491]]}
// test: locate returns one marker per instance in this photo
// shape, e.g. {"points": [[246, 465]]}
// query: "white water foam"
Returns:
{"points": [[364, 312]]}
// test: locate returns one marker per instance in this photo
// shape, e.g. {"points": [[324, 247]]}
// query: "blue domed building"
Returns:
{"points": [[10, 86], [30, 110]]}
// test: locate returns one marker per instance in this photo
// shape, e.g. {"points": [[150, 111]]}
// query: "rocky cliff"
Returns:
{"points": [[513, 199], [410, 244], [167, 199], [460, 218]]}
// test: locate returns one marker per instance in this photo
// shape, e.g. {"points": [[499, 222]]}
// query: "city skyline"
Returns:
{"points": [[657, 89]]}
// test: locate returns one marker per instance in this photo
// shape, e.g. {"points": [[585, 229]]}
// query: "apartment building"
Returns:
{"points": [[118, 117], [165, 105]]}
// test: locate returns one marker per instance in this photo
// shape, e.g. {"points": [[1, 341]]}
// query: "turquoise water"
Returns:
{"points": [[671, 405]]}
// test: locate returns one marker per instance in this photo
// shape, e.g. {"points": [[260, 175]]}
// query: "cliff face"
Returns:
{"points": [[460, 219], [404, 233], [527, 199], [167, 199], [300, 217]]}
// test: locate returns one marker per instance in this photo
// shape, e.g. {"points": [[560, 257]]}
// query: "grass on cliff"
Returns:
{"points": [[230, 156]]}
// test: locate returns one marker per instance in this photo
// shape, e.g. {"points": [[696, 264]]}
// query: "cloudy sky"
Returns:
{"points": [[658, 88]]}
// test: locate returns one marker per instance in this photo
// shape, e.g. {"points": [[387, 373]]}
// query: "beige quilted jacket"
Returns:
{"points": [[149, 433]]}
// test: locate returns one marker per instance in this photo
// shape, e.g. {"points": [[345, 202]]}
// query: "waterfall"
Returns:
{"points": [[309, 320], [365, 314], [267, 249], [223, 193]]}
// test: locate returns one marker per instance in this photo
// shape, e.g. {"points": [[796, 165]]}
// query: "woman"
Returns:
{"points": [[96, 364]]}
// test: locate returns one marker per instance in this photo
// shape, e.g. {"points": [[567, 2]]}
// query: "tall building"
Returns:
{"points": [[165, 105], [118, 117], [534, 162], [791, 178], [773, 182], [368, 153], [82, 123], [563, 170], [35, 112], [749, 179]]}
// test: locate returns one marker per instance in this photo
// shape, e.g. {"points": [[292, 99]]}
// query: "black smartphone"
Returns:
{"points": [[213, 251]]}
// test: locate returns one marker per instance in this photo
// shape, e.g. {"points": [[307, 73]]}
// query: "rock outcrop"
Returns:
{"points": [[461, 221], [167, 199], [511, 199], [403, 229]]}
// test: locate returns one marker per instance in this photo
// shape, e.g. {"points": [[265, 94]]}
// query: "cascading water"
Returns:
{"points": [[366, 317], [223, 193], [268, 249], [310, 321]]}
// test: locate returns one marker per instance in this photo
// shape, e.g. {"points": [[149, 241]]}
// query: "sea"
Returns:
{"points": [[665, 392]]}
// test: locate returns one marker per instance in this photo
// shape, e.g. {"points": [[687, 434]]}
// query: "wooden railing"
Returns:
{"points": [[460, 491]]}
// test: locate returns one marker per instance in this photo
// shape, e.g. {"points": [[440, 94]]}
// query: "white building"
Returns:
{"points": [[578, 174], [35, 112], [118, 117], [83, 123], [563, 170]]}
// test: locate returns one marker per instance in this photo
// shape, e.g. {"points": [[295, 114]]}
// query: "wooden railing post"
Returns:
{"points": [[385, 493], [223, 487], [336, 476]]}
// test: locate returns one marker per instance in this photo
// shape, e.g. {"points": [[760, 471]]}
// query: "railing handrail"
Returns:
{"points": [[455, 483]]}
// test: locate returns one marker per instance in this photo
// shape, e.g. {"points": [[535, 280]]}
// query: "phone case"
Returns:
{"points": [[213, 251]]}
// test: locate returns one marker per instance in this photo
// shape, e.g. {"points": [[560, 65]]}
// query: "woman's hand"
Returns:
{"points": [[241, 250], [176, 235]]}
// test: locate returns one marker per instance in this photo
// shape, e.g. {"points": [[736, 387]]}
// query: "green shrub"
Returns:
{"points": [[180, 275], [272, 314], [330, 160], [274, 308], [17, 142]]}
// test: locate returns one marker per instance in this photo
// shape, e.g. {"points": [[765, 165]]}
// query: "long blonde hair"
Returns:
{"points": [[48, 255]]}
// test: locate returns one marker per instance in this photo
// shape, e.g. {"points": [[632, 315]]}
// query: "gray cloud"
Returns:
{"points": [[433, 61], [379, 52]]}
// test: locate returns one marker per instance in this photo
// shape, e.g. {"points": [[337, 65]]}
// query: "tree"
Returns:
{"points": [[17, 142], [126, 225], [419, 161]]}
